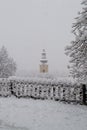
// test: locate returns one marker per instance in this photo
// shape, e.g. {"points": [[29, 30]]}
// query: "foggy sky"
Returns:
{"points": [[28, 26]]}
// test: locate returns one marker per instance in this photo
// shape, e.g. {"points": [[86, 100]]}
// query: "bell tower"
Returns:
{"points": [[43, 61]]}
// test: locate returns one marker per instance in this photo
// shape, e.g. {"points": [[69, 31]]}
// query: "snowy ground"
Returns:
{"points": [[28, 114]]}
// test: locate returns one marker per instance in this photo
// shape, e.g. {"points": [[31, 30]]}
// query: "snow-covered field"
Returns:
{"points": [[28, 114]]}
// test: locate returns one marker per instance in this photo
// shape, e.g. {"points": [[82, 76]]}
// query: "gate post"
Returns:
{"points": [[84, 93]]}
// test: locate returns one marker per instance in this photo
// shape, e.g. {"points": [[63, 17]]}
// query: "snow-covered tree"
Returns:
{"points": [[77, 51], [7, 64]]}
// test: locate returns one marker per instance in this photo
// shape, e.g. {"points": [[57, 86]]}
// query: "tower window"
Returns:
{"points": [[43, 71]]}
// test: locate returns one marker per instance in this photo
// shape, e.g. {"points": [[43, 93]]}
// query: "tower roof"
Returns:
{"points": [[43, 57]]}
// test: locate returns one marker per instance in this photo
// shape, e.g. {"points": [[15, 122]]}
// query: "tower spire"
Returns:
{"points": [[43, 58]]}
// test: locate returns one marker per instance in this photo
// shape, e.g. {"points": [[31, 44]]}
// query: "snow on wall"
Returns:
{"points": [[42, 89], [5, 88]]}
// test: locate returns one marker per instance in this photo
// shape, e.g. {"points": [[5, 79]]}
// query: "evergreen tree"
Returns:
{"points": [[7, 64], [77, 51]]}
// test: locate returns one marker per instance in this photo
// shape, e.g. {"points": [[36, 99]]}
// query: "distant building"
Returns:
{"points": [[43, 61]]}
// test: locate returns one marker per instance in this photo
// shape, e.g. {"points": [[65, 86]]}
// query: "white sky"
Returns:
{"points": [[28, 26]]}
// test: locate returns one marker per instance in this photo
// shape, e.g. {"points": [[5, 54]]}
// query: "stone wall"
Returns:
{"points": [[42, 89]]}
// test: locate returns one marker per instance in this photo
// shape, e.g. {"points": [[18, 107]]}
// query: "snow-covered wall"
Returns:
{"points": [[42, 89]]}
